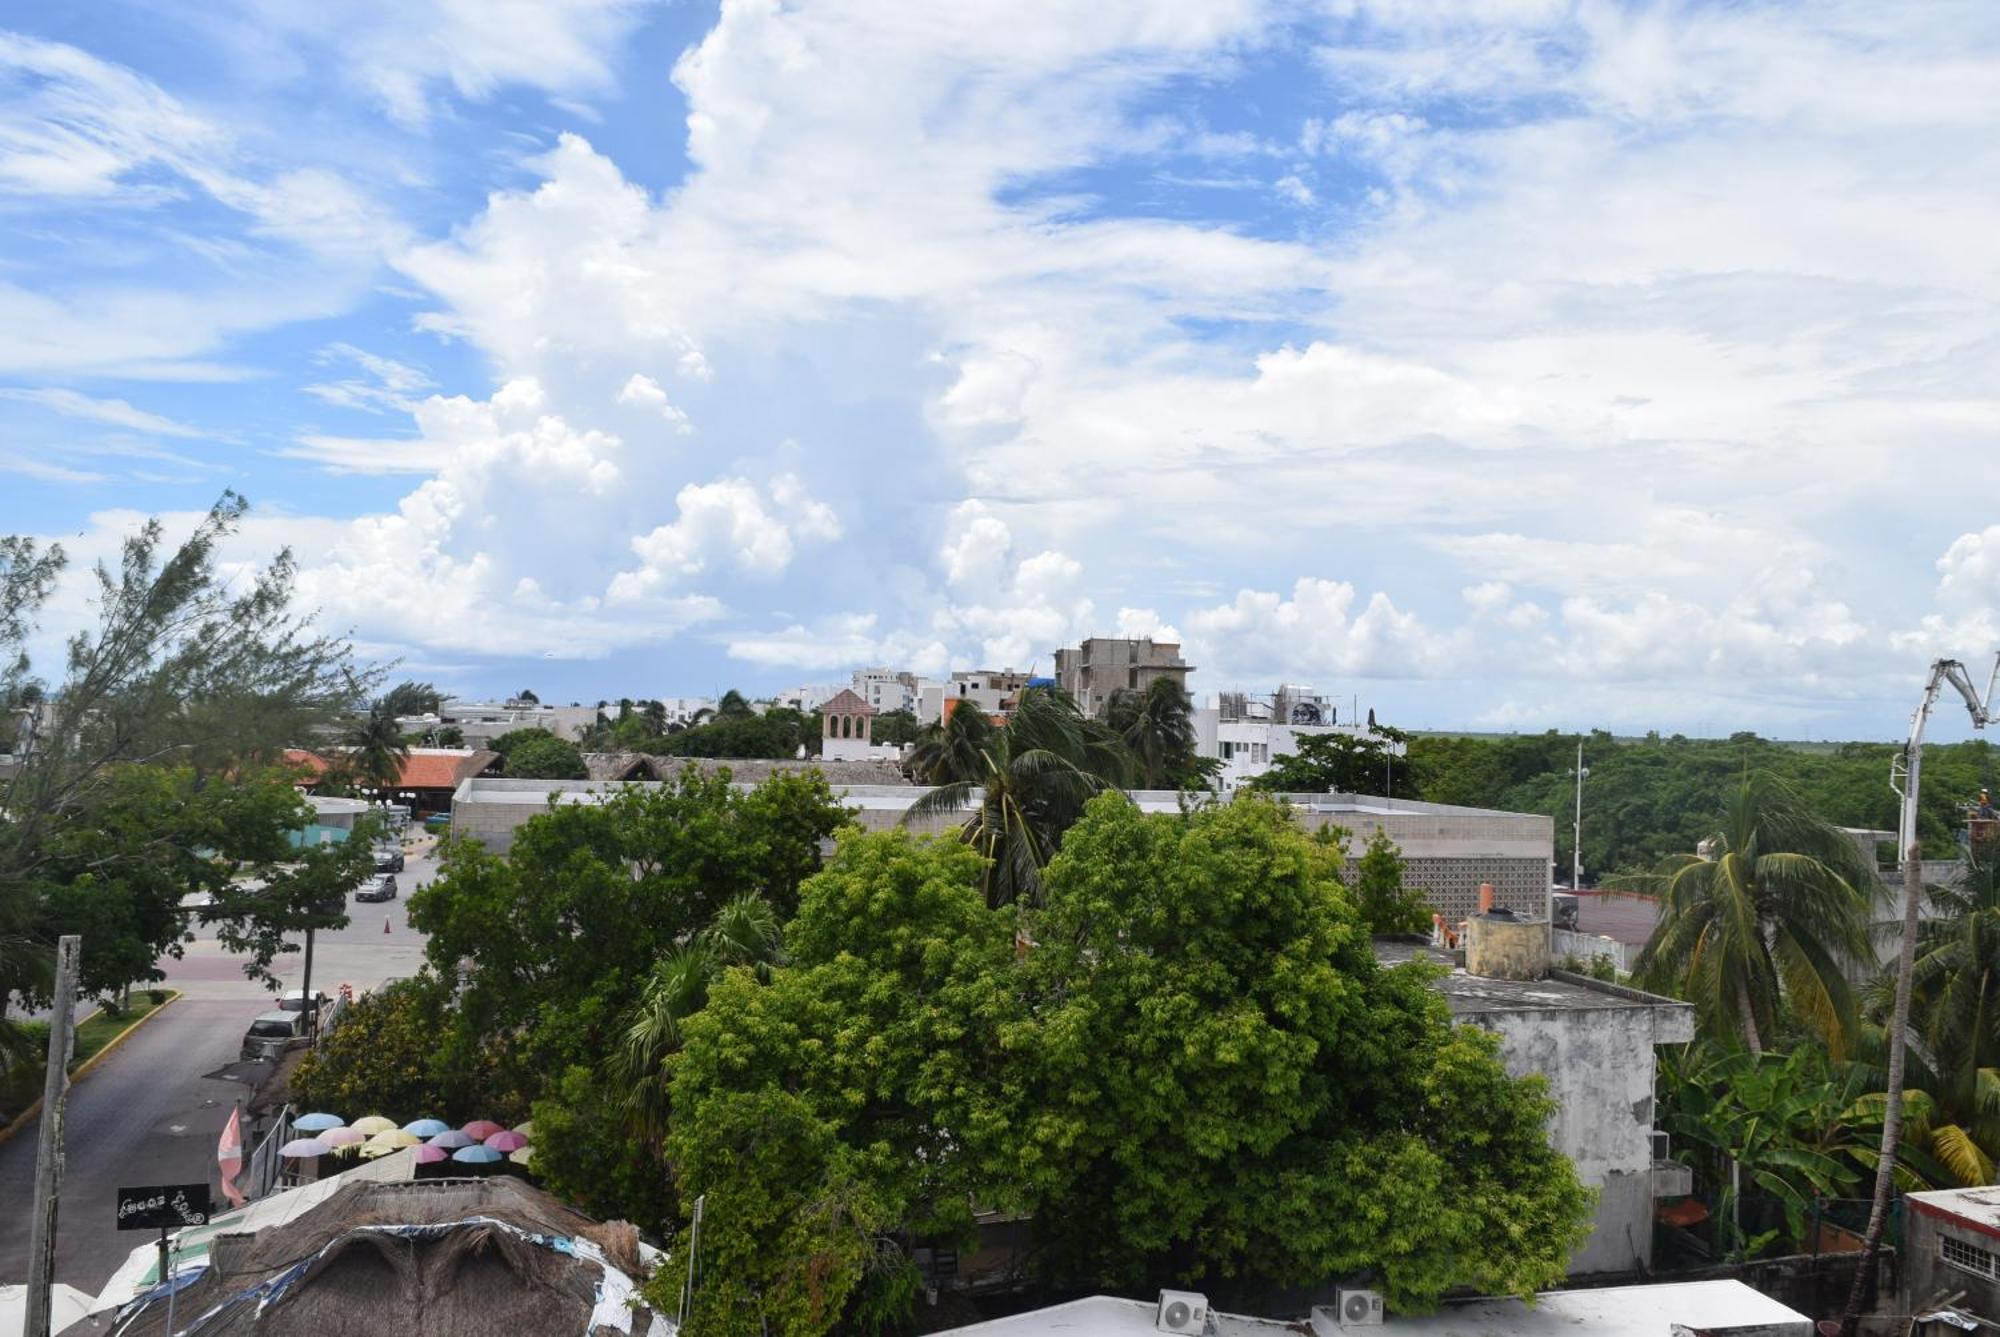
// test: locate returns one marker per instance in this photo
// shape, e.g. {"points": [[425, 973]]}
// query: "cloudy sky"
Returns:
{"points": [[1509, 363]]}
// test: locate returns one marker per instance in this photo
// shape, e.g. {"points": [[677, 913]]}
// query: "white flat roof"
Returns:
{"points": [[1617, 1311], [1978, 1206]]}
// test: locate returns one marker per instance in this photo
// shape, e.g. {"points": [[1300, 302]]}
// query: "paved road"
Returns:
{"points": [[149, 1115], [144, 1116]]}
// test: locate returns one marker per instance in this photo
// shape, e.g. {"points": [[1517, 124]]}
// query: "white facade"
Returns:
{"points": [[483, 721], [807, 697], [1248, 734], [885, 689]]}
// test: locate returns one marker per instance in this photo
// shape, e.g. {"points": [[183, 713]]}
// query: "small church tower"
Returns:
{"points": [[848, 730]]}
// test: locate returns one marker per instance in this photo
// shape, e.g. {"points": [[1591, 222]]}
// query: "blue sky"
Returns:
{"points": [[1510, 363]]}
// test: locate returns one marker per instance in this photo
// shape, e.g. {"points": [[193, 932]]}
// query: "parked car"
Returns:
{"points": [[381, 887], [296, 1000], [272, 1034], [388, 858]]}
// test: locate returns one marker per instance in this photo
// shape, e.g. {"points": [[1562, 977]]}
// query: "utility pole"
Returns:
{"points": [[48, 1146], [306, 986], [1576, 837]]}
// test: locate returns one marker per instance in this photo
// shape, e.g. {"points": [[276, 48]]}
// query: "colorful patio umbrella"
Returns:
{"points": [[481, 1129], [432, 1155], [371, 1151], [451, 1140], [524, 1156], [394, 1139], [477, 1155], [526, 1128], [318, 1123], [506, 1140], [426, 1127], [303, 1148], [373, 1124], [343, 1137]]}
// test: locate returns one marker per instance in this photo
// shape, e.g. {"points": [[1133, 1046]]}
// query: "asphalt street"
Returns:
{"points": [[148, 1114]]}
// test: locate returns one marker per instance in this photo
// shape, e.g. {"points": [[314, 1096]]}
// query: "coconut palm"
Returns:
{"points": [[744, 932], [954, 748], [1036, 775], [375, 747], [1767, 916], [1157, 727], [1953, 1032]]}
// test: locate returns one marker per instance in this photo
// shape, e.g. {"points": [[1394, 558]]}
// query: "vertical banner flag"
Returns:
{"points": [[229, 1155]]}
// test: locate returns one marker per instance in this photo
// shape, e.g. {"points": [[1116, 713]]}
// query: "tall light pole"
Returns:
{"points": [[1576, 835]]}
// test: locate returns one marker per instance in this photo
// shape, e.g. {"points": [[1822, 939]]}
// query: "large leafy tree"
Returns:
{"points": [[856, 1097], [1767, 918], [1223, 1082], [551, 946], [1156, 726], [1036, 776], [545, 758], [143, 769], [1340, 763], [1387, 904]]}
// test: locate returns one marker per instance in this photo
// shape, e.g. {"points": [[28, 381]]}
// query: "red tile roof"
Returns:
{"points": [[311, 763], [427, 769], [845, 702]]}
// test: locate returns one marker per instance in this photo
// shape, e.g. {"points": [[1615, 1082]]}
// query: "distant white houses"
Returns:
{"points": [[1247, 734]]}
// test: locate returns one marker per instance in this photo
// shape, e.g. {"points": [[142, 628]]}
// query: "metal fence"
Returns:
{"points": [[264, 1168], [331, 1016], [1586, 947]]}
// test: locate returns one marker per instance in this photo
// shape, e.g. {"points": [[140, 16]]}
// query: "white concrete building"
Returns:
{"points": [[1247, 734], [483, 721], [1716, 1308], [807, 697]]}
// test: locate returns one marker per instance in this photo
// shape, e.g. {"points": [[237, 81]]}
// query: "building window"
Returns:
{"points": [[1969, 1257]]}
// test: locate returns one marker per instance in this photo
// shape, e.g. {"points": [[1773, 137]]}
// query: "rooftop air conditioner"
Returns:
{"points": [[1358, 1308], [1181, 1312]]}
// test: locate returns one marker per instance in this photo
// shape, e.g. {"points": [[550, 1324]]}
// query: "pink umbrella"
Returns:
{"points": [[481, 1129], [431, 1155], [343, 1137], [303, 1149], [506, 1140]]}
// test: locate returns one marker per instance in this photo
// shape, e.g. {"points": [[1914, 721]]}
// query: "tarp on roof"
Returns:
{"points": [[455, 1258]]}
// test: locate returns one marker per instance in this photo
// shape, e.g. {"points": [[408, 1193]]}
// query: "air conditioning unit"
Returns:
{"points": [[1181, 1312], [1357, 1308]]}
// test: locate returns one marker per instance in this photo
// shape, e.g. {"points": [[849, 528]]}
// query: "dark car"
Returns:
{"points": [[388, 858], [381, 887]]}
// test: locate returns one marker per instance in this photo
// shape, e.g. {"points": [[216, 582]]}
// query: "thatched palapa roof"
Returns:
{"points": [[446, 1258]]}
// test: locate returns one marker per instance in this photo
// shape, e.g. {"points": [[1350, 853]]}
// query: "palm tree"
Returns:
{"points": [[954, 748], [744, 932], [375, 747], [1768, 915], [1036, 775], [1954, 1020], [1157, 727]]}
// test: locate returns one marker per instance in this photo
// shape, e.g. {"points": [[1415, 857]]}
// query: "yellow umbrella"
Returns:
{"points": [[369, 1151], [526, 1129], [373, 1124], [522, 1156], [393, 1138]]}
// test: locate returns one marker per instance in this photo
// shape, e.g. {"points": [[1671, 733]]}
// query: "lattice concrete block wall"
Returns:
{"points": [[1451, 886]]}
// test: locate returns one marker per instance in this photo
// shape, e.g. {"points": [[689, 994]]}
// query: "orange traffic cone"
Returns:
{"points": [[385, 923]]}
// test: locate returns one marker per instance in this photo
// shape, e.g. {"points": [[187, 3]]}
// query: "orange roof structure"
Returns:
{"points": [[443, 768], [311, 763]]}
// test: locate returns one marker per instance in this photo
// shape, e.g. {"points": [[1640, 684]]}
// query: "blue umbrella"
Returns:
{"points": [[477, 1155], [451, 1140], [318, 1123], [426, 1127]]}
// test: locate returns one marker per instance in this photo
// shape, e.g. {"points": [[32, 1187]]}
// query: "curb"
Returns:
{"points": [[28, 1115]]}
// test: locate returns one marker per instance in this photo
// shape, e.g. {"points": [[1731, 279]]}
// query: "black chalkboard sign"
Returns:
{"points": [[163, 1207]]}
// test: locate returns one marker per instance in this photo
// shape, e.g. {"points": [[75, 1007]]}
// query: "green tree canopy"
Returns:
{"points": [[1157, 727], [412, 698], [1196, 1071], [1340, 763], [145, 777], [1387, 904], [545, 758], [1237, 1088]]}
